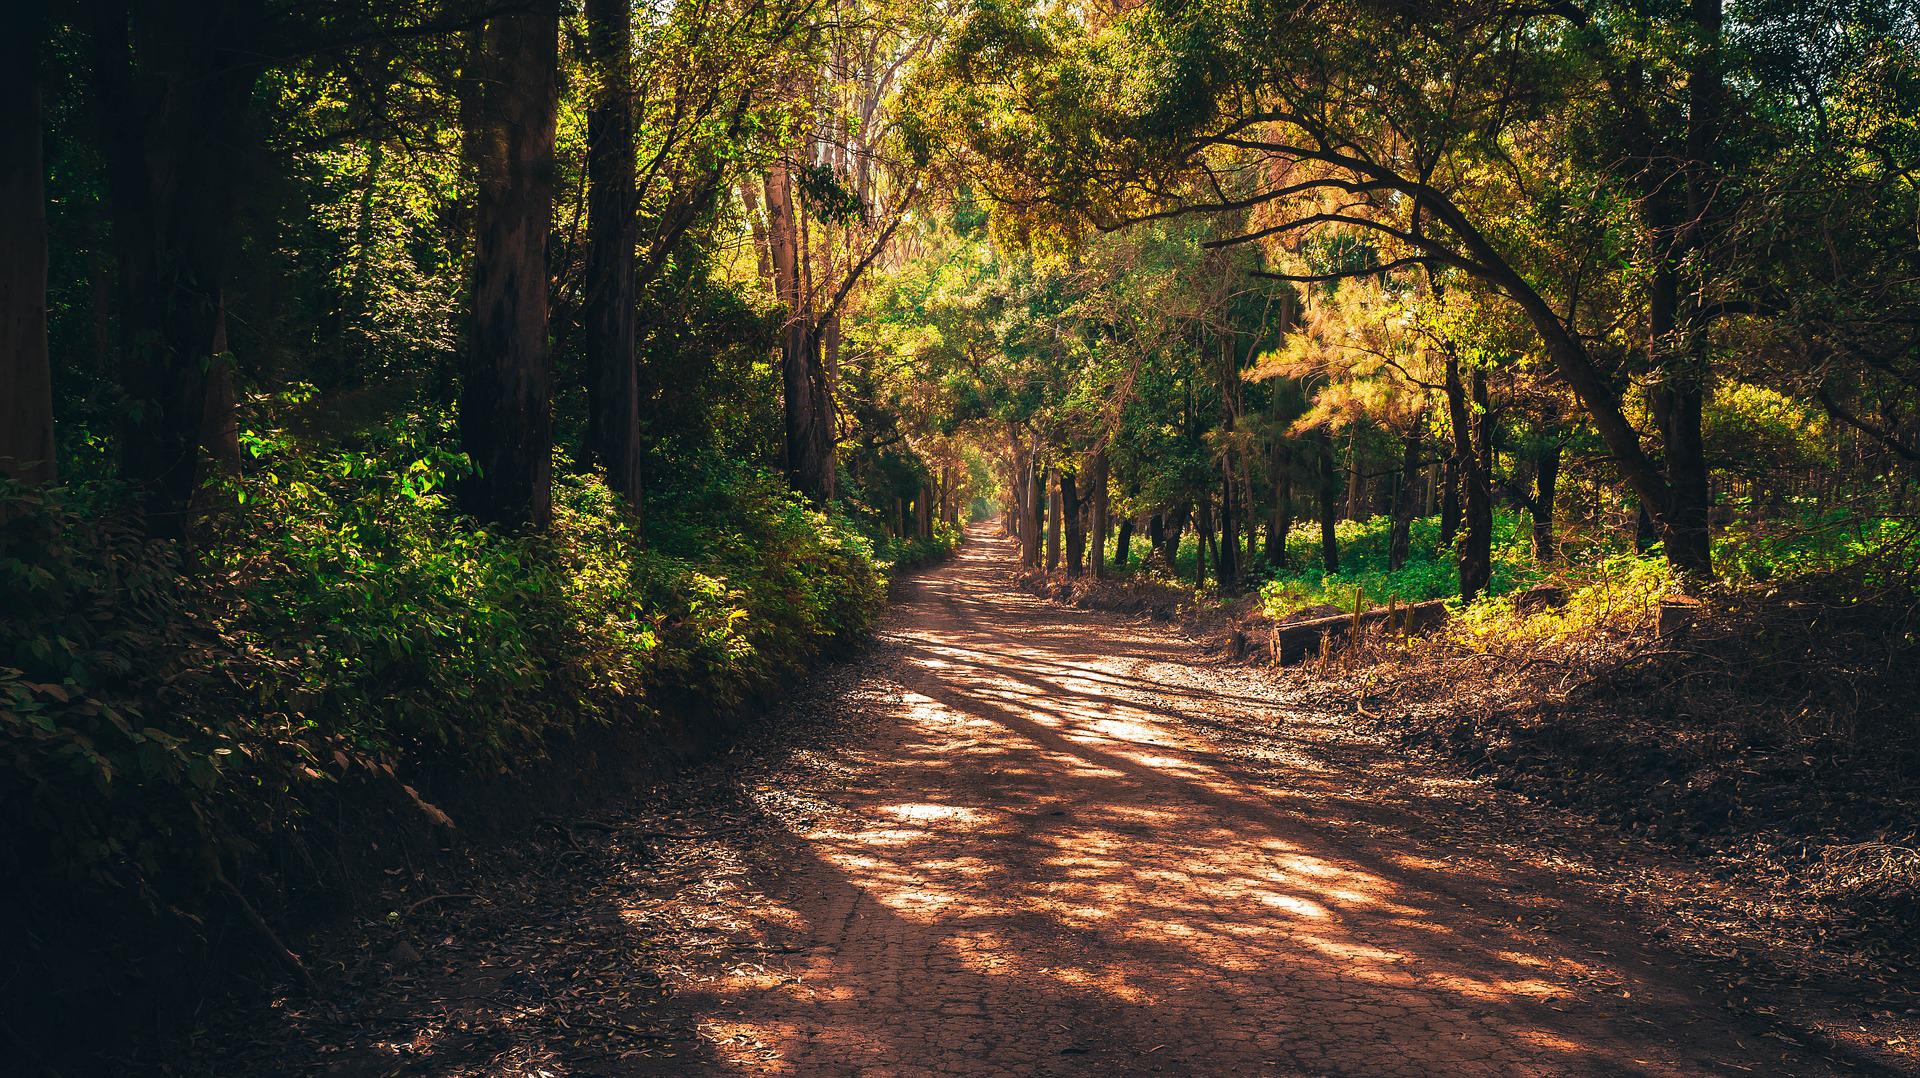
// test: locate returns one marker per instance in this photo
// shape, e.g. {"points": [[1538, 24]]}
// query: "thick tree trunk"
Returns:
{"points": [[26, 377], [1399, 541], [1122, 540], [612, 300], [506, 404], [1546, 478], [1072, 522], [174, 122], [1329, 499], [1156, 536]]}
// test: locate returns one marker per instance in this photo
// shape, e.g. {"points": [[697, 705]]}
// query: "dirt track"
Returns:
{"points": [[1047, 841]]}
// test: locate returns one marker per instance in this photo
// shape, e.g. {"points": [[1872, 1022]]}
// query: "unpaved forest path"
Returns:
{"points": [[1037, 841], [1041, 860]]}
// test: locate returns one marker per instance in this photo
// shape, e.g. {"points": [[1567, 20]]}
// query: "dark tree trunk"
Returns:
{"points": [[1546, 477], [1227, 566], [1100, 521], [26, 376], [1471, 451], [1156, 535], [506, 415], [1203, 539], [221, 438], [1329, 500], [1646, 531], [613, 387], [176, 146], [1280, 515], [1399, 541], [1036, 513], [1070, 515], [1449, 501], [1122, 540]]}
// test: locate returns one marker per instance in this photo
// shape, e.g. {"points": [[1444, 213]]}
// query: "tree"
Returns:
{"points": [[26, 378], [506, 417], [612, 297]]}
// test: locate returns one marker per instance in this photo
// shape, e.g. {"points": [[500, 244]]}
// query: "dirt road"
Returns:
{"points": [[1042, 860], [1049, 841]]}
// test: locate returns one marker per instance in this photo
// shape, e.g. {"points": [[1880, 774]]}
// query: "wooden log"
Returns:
{"points": [[1292, 641]]}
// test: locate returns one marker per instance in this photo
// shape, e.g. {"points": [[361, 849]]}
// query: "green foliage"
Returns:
{"points": [[149, 720], [1431, 572]]}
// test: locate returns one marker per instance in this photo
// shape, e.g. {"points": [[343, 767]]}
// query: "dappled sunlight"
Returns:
{"points": [[1044, 848]]}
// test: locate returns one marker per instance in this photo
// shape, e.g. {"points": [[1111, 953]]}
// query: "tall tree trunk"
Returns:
{"points": [[612, 300], [174, 115], [1546, 478], [222, 419], [1122, 540], [1073, 523], [1469, 421], [26, 375], [1203, 525], [1100, 522], [1329, 497], [1156, 536], [1399, 541], [1227, 561], [1053, 529], [1449, 500], [1036, 525], [506, 404], [1280, 514], [803, 379]]}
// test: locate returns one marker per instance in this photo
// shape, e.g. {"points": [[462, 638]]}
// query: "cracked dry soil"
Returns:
{"points": [[1029, 840]]}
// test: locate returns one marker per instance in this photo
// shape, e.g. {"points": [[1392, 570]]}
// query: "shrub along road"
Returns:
{"points": [[1015, 838]]}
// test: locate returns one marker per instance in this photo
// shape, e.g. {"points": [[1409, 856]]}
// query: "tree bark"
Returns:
{"points": [[1280, 515], [1329, 497], [1399, 542], [810, 465], [175, 140], [221, 437], [506, 404], [26, 374], [1469, 421], [1545, 479], [1053, 529], [1100, 521], [1122, 540], [1073, 523], [1036, 512], [612, 300], [1449, 500], [1203, 524]]}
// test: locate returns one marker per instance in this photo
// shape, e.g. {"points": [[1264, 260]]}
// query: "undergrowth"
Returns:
{"points": [[162, 720]]}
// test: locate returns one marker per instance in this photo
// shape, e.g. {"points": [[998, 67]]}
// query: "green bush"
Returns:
{"points": [[153, 721]]}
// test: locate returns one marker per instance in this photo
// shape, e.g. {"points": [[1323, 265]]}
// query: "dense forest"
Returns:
{"points": [[395, 395]]}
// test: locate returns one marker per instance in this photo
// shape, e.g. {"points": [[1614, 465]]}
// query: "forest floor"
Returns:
{"points": [[1012, 837]]}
